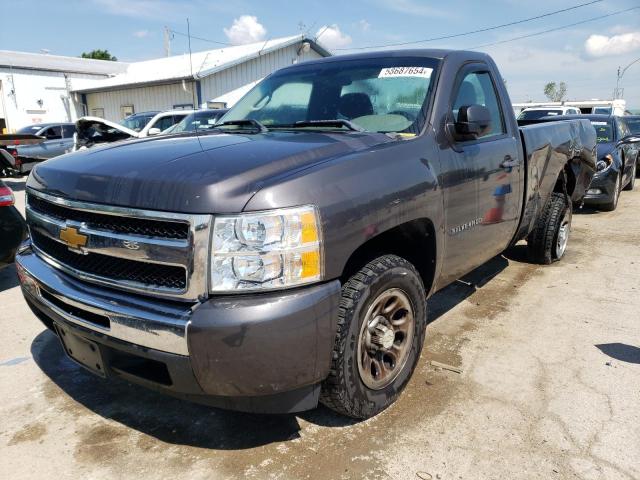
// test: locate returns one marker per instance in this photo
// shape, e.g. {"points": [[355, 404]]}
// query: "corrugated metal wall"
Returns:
{"points": [[157, 97], [247, 72], [164, 97]]}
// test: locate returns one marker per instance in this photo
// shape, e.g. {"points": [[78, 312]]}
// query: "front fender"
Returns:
{"points": [[362, 195]]}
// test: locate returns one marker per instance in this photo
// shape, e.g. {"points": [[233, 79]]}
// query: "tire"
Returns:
{"points": [[547, 242], [351, 387], [613, 204], [632, 180]]}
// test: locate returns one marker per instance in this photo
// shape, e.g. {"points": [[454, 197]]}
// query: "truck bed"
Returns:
{"points": [[548, 146]]}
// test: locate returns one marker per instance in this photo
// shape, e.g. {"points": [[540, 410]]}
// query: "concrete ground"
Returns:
{"points": [[549, 389]]}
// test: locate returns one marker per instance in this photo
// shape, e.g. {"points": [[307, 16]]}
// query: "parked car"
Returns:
{"points": [[138, 121], [534, 113], [199, 120], [58, 140], [618, 152], [95, 130], [13, 229], [633, 124], [163, 121], [286, 256]]}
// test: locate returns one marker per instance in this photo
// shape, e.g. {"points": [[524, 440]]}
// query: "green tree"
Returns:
{"points": [[99, 55], [555, 92]]}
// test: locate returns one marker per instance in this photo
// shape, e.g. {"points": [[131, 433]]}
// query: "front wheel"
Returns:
{"points": [[381, 324], [548, 241], [613, 204], [632, 180]]}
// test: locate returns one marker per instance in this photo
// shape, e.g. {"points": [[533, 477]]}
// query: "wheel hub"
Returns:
{"points": [[385, 338], [382, 336]]}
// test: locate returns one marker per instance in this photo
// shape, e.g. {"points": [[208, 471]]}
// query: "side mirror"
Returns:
{"points": [[629, 139], [472, 121], [154, 131]]}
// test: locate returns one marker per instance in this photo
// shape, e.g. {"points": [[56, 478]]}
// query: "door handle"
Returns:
{"points": [[510, 162]]}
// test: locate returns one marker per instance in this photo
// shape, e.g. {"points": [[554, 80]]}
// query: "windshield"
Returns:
{"points": [[536, 114], [634, 125], [604, 131], [30, 129], [202, 120], [375, 94], [136, 122]]}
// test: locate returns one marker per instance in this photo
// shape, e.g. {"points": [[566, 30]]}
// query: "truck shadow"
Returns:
{"points": [[180, 422], [164, 418]]}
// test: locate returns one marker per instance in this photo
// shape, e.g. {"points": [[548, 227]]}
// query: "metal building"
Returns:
{"points": [[188, 81], [35, 88]]}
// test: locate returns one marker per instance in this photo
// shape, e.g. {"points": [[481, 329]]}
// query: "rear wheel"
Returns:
{"points": [[381, 324], [548, 241]]}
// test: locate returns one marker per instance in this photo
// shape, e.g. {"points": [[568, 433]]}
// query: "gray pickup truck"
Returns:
{"points": [[285, 257]]}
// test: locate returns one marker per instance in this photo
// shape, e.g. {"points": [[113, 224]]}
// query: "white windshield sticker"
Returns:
{"points": [[423, 72], [599, 123], [551, 114]]}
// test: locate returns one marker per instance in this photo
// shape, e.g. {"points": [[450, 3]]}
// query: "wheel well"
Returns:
{"points": [[569, 177], [414, 241]]}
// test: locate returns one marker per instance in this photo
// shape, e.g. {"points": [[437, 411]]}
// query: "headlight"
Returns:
{"points": [[266, 250], [604, 163]]}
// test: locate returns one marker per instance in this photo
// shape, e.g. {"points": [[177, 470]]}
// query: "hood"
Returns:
{"points": [[214, 173], [605, 148], [94, 130]]}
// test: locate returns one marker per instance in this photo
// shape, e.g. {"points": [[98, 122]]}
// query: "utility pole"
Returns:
{"points": [[167, 36], [621, 71]]}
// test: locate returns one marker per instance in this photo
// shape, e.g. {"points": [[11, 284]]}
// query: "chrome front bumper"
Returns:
{"points": [[159, 325]]}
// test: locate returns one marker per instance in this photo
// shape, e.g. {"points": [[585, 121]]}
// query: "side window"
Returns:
{"points": [[53, 133], [621, 130], [68, 131], [477, 89]]}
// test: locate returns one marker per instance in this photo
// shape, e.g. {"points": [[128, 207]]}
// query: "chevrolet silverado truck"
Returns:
{"points": [[285, 257]]}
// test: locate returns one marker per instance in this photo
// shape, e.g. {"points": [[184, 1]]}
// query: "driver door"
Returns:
{"points": [[482, 189]]}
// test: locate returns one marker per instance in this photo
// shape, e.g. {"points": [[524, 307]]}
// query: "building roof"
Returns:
{"points": [[198, 65], [58, 63]]}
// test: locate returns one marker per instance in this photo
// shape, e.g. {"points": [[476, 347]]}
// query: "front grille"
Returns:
{"points": [[112, 223], [113, 268]]}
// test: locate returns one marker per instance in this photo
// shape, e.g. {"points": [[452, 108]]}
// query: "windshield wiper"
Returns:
{"points": [[335, 123], [249, 122]]}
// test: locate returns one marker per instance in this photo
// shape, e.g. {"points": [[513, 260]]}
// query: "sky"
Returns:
{"points": [[586, 56]]}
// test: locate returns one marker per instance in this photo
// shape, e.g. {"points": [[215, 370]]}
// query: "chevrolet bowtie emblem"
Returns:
{"points": [[72, 238]]}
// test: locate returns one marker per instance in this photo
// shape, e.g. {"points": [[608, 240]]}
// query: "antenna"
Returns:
{"points": [[193, 80]]}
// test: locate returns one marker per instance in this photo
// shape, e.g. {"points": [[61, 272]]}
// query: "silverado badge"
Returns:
{"points": [[73, 238]]}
